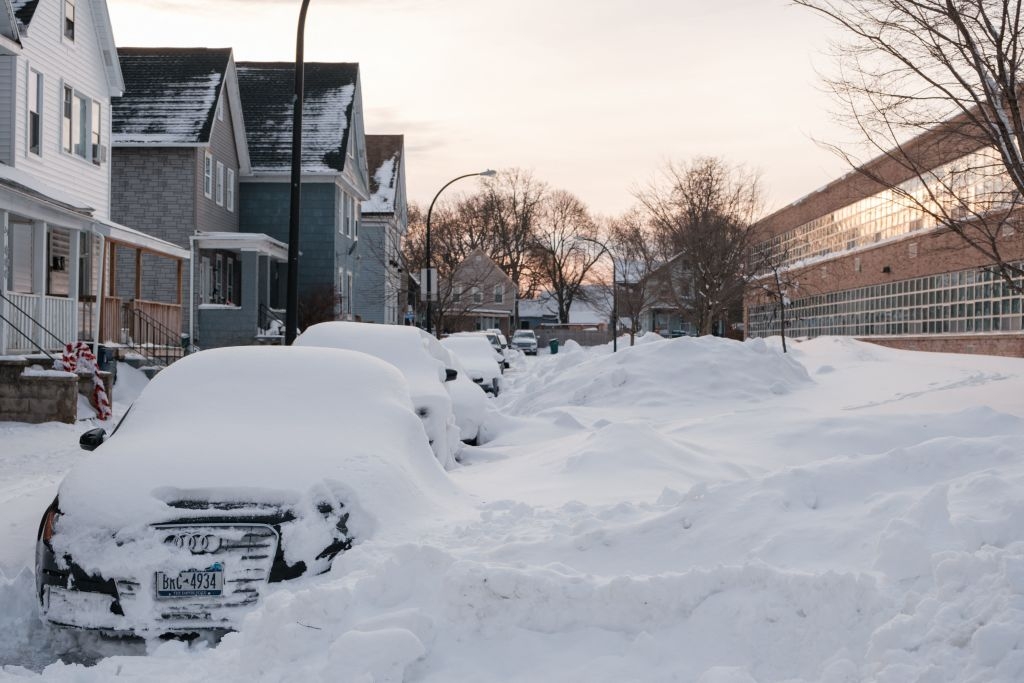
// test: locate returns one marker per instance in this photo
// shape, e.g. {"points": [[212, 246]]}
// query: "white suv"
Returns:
{"points": [[525, 341]]}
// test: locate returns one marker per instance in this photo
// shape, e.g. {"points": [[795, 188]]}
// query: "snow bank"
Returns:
{"points": [[679, 371]]}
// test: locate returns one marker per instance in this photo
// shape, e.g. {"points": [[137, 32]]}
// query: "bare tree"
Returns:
{"points": [[700, 212], [932, 87], [566, 248], [631, 245], [510, 207]]}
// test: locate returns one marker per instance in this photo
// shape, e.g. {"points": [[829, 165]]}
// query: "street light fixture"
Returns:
{"points": [[291, 324], [430, 285]]}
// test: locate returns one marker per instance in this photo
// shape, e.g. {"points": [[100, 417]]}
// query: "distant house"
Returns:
{"points": [[478, 296], [334, 175], [590, 309], [179, 151], [58, 73], [385, 222], [668, 291]]}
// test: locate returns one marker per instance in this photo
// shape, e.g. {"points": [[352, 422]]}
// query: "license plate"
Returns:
{"points": [[190, 583]]}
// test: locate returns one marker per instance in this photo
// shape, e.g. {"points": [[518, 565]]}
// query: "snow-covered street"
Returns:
{"points": [[694, 509]]}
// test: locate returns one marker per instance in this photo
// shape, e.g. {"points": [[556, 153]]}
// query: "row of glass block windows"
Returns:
{"points": [[961, 302], [976, 183]]}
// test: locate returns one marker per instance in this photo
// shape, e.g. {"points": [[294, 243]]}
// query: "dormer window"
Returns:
{"points": [[69, 20]]}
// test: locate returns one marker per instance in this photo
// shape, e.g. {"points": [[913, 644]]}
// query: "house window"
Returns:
{"points": [[356, 214], [912, 250], [218, 279], [478, 295], [348, 216], [68, 120], [220, 109], [77, 126], [499, 293], [456, 294], [35, 111], [69, 19], [220, 184], [98, 151], [351, 290], [231, 189], [20, 258], [230, 284], [208, 175]]}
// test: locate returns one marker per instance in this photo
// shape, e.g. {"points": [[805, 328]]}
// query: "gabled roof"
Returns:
{"points": [[384, 160], [170, 95], [267, 95], [24, 10]]}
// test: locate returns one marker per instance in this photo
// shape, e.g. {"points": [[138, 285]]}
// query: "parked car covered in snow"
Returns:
{"points": [[525, 341], [476, 354], [441, 391], [235, 468]]}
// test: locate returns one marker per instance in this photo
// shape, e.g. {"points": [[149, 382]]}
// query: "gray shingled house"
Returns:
{"points": [[334, 175], [178, 153], [385, 222]]}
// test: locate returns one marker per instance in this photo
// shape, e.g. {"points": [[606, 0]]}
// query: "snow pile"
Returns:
{"points": [[716, 517], [679, 371]]}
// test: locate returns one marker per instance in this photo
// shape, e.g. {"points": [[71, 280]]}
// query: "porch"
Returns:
{"points": [[236, 276], [58, 285]]}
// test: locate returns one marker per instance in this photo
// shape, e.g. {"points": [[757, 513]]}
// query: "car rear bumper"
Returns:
{"points": [[71, 597]]}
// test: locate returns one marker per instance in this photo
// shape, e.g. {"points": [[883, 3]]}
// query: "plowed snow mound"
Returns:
{"points": [[683, 371]]}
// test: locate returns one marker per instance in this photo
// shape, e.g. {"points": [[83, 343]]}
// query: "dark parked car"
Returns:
{"points": [[235, 468]]}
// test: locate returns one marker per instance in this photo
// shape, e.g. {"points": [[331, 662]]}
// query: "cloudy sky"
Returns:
{"points": [[592, 95]]}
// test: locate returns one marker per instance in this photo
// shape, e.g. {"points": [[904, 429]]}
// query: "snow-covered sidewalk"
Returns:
{"points": [[684, 510]]}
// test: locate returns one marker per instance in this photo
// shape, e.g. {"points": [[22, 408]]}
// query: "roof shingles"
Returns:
{"points": [[384, 159], [267, 95], [170, 95]]}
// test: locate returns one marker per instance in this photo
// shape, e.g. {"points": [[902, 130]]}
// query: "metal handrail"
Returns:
{"points": [[38, 324], [266, 316], [30, 339], [145, 327]]}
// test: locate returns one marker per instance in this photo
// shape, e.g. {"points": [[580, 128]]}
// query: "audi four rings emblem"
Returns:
{"points": [[195, 543]]}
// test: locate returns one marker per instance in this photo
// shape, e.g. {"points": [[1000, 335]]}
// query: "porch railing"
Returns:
{"points": [[149, 328], [38, 323]]}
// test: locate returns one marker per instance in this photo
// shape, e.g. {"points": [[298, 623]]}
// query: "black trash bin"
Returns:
{"points": [[553, 345], [105, 359]]}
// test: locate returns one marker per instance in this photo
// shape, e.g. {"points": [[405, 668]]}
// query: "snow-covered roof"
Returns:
{"points": [[170, 95], [267, 90], [24, 10], [540, 307], [384, 160]]}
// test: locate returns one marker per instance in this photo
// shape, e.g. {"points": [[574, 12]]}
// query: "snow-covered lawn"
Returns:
{"points": [[685, 510]]}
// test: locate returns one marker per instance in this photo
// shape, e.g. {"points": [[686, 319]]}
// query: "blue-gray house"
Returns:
{"points": [[334, 177]]}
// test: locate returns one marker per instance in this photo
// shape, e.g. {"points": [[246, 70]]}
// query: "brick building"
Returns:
{"points": [[863, 260]]}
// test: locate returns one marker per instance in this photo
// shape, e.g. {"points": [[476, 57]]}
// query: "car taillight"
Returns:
{"points": [[49, 519]]}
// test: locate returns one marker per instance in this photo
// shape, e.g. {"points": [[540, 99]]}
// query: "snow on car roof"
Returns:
{"points": [[403, 347], [262, 424]]}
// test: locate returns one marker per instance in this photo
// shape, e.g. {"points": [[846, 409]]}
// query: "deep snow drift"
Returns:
{"points": [[684, 510]]}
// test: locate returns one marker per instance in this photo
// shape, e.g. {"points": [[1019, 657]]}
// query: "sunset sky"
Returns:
{"points": [[592, 95]]}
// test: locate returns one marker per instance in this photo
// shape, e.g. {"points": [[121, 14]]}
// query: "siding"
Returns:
{"points": [[264, 209], [80, 65], [8, 84], [209, 216], [372, 260]]}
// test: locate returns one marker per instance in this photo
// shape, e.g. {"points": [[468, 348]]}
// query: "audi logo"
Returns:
{"points": [[197, 544]]}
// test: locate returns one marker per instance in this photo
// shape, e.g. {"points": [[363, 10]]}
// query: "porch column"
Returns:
{"points": [[4, 308], [39, 271], [101, 291], [76, 254], [250, 293]]}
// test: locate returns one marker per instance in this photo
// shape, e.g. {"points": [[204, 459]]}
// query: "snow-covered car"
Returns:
{"points": [[469, 400], [479, 358], [525, 341], [408, 349], [235, 468], [500, 351]]}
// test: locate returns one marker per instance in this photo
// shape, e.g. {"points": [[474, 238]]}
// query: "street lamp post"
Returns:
{"points": [[291, 324], [615, 295], [431, 287]]}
